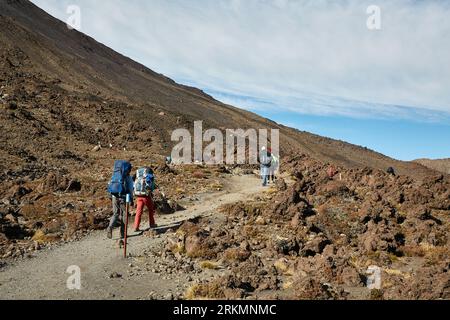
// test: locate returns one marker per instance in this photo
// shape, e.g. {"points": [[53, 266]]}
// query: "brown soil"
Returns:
{"points": [[317, 239], [442, 165]]}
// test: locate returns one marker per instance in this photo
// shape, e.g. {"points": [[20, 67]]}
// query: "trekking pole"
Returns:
{"points": [[127, 206]]}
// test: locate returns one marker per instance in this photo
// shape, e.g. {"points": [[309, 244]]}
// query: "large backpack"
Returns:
{"points": [[275, 161], [144, 183], [265, 159], [118, 185]]}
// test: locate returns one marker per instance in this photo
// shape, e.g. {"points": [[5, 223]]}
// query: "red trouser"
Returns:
{"points": [[141, 202]]}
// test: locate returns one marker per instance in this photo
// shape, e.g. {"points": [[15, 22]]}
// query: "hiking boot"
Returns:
{"points": [[137, 230], [109, 233], [121, 243], [153, 226]]}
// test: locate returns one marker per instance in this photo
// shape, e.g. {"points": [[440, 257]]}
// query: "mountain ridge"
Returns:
{"points": [[84, 66], [442, 165]]}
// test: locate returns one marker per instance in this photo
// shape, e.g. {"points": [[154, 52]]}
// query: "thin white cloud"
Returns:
{"points": [[294, 54]]}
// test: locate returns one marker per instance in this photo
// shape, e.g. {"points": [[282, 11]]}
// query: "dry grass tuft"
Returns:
{"points": [[209, 265], [216, 186], [432, 254], [41, 238], [204, 292]]}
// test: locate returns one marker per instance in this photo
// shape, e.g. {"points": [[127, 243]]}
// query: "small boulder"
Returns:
{"points": [[315, 246], [115, 275], [20, 191], [280, 184], [12, 105]]}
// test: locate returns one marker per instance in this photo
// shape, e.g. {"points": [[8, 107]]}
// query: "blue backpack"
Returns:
{"points": [[118, 184]]}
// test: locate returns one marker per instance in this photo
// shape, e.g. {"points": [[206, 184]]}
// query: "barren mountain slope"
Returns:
{"points": [[43, 47], [442, 165]]}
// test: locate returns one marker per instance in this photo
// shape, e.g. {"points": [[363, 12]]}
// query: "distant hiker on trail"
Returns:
{"points": [[144, 187], [273, 167], [120, 186], [265, 160]]}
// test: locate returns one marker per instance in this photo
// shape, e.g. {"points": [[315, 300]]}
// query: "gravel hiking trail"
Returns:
{"points": [[105, 274]]}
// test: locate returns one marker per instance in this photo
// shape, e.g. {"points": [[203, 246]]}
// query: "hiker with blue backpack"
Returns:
{"points": [[144, 187], [120, 188], [265, 160]]}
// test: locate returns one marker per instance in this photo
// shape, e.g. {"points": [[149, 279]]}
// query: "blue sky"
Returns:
{"points": [[313, 65], [401, 139]]}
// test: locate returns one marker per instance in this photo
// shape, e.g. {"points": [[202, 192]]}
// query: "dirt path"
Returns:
{"points": [[104, 272]]}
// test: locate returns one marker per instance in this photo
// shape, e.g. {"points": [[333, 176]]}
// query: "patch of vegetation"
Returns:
{"points": [[209, 265]]}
